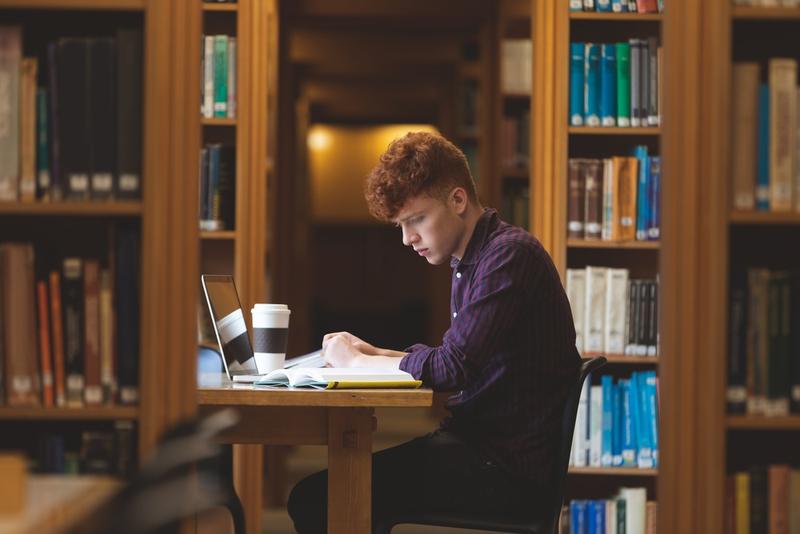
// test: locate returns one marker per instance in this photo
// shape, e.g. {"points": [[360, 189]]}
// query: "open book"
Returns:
{"points": [[339, 378]]}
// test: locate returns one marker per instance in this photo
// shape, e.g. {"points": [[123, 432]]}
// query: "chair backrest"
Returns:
{"points": [[567, 431]]}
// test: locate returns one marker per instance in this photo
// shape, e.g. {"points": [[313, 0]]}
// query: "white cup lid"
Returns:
{"points": [[270, 307]]}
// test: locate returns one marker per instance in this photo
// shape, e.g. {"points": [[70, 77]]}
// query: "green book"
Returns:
{"points": [[220, 75], [42, 148], [623, 84]]}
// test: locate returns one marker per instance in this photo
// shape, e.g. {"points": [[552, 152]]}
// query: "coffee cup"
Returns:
{"points": [[270, 335]]}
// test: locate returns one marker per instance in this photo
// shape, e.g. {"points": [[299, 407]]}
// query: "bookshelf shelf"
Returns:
{"points": [[94, 5], [90, 209], [84, 413], [625, 245], [630, 17], [222, 234], [751, 422], [765, 13], [622, 359], [764, 217], [206, 121], [617, 471], [598, 130], [220, 7]]}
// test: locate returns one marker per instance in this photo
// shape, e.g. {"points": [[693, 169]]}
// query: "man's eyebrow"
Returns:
{"points": [[404, 219]]}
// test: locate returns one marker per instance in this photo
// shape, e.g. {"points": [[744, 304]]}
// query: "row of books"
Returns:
{"points": [[469, 105], [764, 344], [70, 332], [96, 452], [618, 6], [612, 313], [515, 136], [763, 498], [515, 66], [615, 84], [78, 136], [767, 3], [218, 88], [217, 187], [629, 512], [765, 153], [615, 199], [516, 204], [617, 423]]}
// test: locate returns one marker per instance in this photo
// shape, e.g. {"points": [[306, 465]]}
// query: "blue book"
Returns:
{"points": [[642, 193], [616, 427], [645, 441], [654, 228], [577, 513], [628, 426], [652, 401], [616, 6], [762, 185], [603, 6], [597, 521], [608, 84], [592, 83], [606, 455], [576, 83]]}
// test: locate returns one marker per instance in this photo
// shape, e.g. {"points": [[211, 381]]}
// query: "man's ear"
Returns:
{"points": [[458, 200]]}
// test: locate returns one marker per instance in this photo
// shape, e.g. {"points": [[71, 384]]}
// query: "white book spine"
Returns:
{"points": [[208, 77], [579, 441], [615, 312], [635, 504], [576, 293], [595, 308], [595, 425], [232, 77], [606, 232]]}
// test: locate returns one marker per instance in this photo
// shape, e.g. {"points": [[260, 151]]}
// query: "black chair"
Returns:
{"points": [[181, 479], [543, 517]]}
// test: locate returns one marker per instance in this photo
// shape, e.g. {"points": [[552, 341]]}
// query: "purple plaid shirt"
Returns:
{"points": [[509, 352]]}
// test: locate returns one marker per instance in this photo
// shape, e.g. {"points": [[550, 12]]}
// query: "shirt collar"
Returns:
{"points": [[486, 222]]}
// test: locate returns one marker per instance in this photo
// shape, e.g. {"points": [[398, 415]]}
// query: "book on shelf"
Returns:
{"points": [[614, 199], [218, 84], [59, 326], [106, 451], [628, 512], [764, 343], [339, 378], [217, 187], [515, 141], [615, 84], [616, 424], [763, 498], [79, 136], [613, 314], [765, 149], [618, 6], [515, 66]]}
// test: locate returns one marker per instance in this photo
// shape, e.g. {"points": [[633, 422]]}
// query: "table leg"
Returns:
{"points": [[349, 470]]}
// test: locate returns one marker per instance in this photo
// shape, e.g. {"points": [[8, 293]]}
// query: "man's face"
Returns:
{"points": [[432, 227]]}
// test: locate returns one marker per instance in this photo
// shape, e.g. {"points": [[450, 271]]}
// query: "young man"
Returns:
{"points": [[509, 354]]}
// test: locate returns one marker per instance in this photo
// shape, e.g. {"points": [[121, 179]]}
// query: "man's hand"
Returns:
{"points": [[359, 344], [339, 351]]}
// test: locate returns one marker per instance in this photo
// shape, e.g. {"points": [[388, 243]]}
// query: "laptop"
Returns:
{"points": [[230, 329]]}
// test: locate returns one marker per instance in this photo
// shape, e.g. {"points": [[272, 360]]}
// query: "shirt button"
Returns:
{"points": [[458, 275], [454, 314]]}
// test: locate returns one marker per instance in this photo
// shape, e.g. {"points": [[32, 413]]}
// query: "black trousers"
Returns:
{"points": [[437, 472]]}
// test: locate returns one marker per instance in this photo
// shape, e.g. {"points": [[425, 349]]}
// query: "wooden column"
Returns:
{"points": [[169, 270], [693, 270]]}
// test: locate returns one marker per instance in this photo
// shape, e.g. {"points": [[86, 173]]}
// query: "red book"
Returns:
{"points": [[44, 343], [58, 337]]}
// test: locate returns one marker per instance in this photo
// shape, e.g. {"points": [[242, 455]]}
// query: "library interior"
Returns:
{"points": [[651, 144]]}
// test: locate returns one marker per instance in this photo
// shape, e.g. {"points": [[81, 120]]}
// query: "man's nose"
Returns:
{"points": [[409, 237]]}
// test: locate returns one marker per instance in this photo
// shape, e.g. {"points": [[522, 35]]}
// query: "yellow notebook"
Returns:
{"points": [[339, 378]]}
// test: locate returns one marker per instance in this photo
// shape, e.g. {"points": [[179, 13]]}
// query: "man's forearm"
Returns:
{"points": [[389, 358]]}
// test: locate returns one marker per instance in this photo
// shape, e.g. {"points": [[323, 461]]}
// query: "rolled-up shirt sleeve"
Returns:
{"points": [[489, 311]]}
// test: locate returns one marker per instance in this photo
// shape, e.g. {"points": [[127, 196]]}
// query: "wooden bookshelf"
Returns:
{"points": [[83, 413], [750, 422], [613, 471], [624, 245], [764, 218], [86, 209], [218, 121], [622, 359], [599, 130], [220, 7], [220, 234], [93, 5], [765, 13], [628, 17]]}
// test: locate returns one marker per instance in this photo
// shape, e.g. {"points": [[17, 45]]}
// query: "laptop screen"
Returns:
{"points": [[229, 324]]}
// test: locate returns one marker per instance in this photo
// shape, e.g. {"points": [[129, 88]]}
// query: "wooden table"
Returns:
{"points": [[343, 420], [56, 503]]}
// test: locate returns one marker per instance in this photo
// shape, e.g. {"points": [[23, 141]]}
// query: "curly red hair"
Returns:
{"points": [[417, 163]]}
